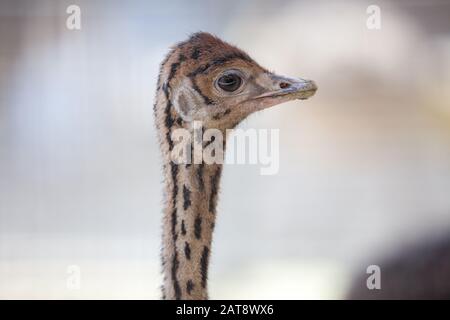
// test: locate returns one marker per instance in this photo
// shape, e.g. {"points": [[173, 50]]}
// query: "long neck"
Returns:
{"points": [[190, 208], [189, 218], [189, 215]]}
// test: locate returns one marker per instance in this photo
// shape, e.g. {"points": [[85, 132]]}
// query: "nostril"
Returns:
{"points": [[284, 85]]}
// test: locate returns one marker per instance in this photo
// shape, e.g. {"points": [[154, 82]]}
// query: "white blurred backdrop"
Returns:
{"points": [[364, 165]]}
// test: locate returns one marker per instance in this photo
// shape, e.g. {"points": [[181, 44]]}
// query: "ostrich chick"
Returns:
{"points": [[208, 80]]}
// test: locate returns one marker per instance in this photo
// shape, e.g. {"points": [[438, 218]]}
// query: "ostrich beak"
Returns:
{"points": [[285, 89], [275, 89]]}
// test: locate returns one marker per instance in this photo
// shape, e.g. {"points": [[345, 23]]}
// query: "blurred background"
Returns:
{"points": [[364, 164]]}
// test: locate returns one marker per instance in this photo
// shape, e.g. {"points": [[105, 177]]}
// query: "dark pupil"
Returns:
{"points": [[230, 82]]}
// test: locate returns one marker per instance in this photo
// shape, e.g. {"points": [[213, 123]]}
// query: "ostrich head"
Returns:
{"points": [[216, 83]]}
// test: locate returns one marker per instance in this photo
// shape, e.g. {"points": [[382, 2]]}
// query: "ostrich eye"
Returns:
{"points": [[230, 82]]}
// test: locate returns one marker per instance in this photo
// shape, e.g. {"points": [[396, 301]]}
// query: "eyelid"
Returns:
{"points": [[238, 72], [242, 74]]}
